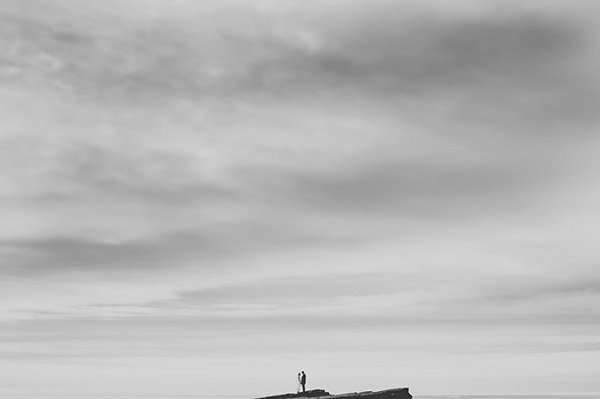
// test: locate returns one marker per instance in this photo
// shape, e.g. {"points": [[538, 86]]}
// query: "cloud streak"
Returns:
{"points": [[205, 182]]}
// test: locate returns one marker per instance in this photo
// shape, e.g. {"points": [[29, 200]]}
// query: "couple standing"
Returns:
{"points": [[301, 382]]}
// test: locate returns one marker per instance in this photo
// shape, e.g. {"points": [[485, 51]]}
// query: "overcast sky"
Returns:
{"points": [[208, 197]]}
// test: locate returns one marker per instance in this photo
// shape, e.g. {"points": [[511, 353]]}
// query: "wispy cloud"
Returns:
{"points": [[276, 177]]}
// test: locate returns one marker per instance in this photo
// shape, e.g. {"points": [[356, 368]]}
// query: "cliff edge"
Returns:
{"points": [[397, 393]]}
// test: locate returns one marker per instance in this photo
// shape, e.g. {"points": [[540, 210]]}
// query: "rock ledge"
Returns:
{"points": [[396, 393]]}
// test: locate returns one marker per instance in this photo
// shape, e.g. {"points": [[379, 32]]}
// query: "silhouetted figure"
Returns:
{"points": [[303, 381], [299, 383]]}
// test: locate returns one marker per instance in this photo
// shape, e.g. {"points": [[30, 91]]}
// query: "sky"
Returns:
{"points": [[204, 198]]}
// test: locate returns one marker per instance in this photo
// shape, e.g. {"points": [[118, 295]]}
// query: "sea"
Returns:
{"points": [[146, 396]]}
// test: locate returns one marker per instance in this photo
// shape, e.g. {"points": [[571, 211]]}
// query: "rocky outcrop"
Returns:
{"points": [[397, 393], [315, 393]]}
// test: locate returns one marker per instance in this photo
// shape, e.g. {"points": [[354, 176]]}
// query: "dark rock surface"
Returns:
{"points": [[315, 393], [397, 393]]}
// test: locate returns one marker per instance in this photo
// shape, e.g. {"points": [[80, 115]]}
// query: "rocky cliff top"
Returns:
{"points": [[397, 393], [315, 393]]}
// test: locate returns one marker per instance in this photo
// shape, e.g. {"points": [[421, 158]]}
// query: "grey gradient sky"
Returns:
{"points": [[207, 197]]}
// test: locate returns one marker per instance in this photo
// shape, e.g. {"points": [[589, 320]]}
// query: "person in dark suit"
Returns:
{"points": [[303, 381]]}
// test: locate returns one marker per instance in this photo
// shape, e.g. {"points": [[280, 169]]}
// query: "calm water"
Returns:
{"points": [[44, 396], [508, 397]]}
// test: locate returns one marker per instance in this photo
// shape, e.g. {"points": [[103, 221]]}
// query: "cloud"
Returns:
{"points": [[549, 298], [302, 291], [141, 174], [208, 248], [505, 60], [232, 179], [510, 69], [412, 188]]}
